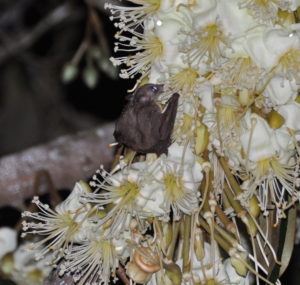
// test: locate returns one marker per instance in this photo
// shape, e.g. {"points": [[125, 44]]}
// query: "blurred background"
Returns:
{"points": [[56, 79]]}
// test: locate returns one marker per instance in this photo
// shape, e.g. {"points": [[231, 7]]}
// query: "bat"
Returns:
{"points": [[142, 125]]}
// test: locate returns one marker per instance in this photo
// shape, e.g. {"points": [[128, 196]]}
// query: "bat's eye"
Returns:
{"points": [[154, 89]]}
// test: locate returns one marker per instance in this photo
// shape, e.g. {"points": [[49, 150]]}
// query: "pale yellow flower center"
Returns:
{"points": [[174, 187]]}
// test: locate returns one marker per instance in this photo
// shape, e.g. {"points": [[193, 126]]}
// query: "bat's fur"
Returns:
{"points": [[142, 125]]}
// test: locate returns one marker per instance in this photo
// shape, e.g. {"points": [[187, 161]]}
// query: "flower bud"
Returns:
{"points": [[275, 120], [173, 272], [238, 265], [7, 263], [167, 236], [90, 77], [245, 98], [137, 274], [146, 260], [254, 208], [202, 139], [199, 246], [69, 73]]}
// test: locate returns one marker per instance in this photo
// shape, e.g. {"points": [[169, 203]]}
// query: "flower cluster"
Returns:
{"points": [[231, 175]]}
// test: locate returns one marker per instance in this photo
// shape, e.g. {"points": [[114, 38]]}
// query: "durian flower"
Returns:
{"points": [[127, 196], [275, 49], [273, 174], [178, 176], [155, 48], [61, 227], [94, 261], [265, 11]]}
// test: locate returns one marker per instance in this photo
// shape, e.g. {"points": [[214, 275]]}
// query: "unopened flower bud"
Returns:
{"points": [[254, 206], [238, 265], [173, 272], [137, 274], [202, 139], [275, 120]]}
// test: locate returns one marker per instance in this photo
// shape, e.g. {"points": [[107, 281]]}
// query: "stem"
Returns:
{"points": [[171, 248], [186, 244]]}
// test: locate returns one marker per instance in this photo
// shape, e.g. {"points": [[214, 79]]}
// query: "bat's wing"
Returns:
{"points": [[148, 120], [168, 118], [126, 129]]}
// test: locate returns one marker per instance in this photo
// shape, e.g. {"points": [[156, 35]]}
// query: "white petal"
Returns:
{"points": [[257, 139], [257, 50], [204, 12], [8, 240], [278, 40], [72, 202], [234, 20], [280, 90], [291, 114]]}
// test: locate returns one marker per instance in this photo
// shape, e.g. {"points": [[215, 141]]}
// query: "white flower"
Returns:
{"points": [[124, 190], [275, 49], [207, 45], [131, 17], [178, 176], [268, 158], [8, 240], [66, 224], [170, 33], [148, 49], [93, 262], [264, 11]]}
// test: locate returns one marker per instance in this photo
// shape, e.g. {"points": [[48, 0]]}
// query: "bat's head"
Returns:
{"points": [[147, 93]]}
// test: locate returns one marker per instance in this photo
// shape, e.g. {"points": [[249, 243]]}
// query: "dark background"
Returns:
{"points": [[37, 39]]}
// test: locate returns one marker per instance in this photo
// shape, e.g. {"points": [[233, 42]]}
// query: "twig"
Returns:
{"points": [[67, 159], [122, 275], [13, 46]]}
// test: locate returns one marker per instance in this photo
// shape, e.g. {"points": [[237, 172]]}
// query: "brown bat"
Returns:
{"points": [[142, 125]]}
